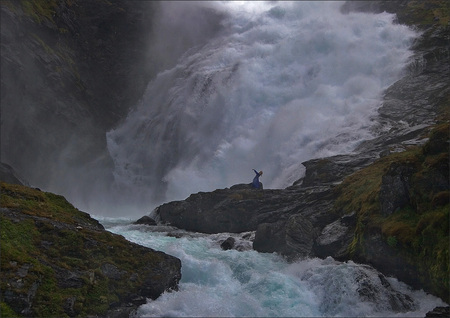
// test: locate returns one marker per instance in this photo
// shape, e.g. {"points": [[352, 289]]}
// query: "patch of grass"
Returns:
{"points": [[6, 311], [40, 233], [42, 204], [360, 191], [40, 10], [426, 13], [419, 230]]}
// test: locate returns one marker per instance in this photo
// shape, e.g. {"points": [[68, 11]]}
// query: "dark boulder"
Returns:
{"points": [[439, 312], [300, 235], [223, 210], [270, 237], [228, 244], [146, 220], [336, 237]]}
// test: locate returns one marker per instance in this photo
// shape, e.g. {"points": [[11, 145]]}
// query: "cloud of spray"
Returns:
{"points": [[280, 84], [179, 26]]}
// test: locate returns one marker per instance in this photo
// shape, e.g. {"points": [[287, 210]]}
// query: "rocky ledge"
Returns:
{"points": [[57, 261], [386, 204], [392, 214]]}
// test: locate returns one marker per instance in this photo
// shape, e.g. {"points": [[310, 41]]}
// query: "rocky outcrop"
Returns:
{"points": [[223, 210], [58, 261], [351, 206], [336, 237], [228, 244], [439, 312], [146, 220], [395, 188]]}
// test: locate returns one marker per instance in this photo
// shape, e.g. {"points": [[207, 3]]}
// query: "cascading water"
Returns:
{"points": [[217, 283], [282, 83]]}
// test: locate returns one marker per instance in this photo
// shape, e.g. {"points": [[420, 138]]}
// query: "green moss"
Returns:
{"points": [[359, 192], [40, 10], [42, 234], [420, 230], [42, 204], [6, 311], [425, 13]]}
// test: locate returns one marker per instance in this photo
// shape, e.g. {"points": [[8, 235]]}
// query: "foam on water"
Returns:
{"points": [[284, 82], [235, 284]]}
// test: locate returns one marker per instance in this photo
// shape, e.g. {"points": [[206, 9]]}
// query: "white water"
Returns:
{"points": [[235, 284], [284, 82]]}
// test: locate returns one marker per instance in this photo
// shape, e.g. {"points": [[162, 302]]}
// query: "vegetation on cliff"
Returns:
{"points": [[417, 226], [59, 262]]}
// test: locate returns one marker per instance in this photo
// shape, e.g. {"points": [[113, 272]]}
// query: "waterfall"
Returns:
{"points": [[281, 83]]}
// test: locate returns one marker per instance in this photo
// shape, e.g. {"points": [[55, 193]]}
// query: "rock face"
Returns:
{"points": [[146, 220], [70, 71], [320, 215], [223, 210], [395, 188], [52, 251], [439, 312]]}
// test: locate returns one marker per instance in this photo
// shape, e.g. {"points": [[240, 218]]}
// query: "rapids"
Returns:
{"points": [[217, 283]]}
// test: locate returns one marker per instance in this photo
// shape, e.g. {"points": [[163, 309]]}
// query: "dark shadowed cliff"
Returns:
{"points": [[70, 71]]}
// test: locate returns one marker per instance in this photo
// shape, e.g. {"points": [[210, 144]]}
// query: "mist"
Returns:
{"points": [[204, 93], [280, 83]]}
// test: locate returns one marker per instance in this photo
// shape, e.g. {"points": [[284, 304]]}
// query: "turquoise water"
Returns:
{"points": [[217, 283]]}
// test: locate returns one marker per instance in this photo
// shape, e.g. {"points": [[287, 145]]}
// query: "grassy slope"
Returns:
{"points": [[419, 230], [49, 236]]}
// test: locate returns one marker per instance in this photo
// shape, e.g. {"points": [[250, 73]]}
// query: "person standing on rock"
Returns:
{"points": [[256, 184]]}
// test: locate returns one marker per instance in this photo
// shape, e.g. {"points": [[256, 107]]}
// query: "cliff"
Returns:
{"points": [[386, 204], [57, 261], [71, 70]]}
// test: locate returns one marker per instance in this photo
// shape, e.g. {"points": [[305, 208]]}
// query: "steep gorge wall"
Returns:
{"points": [[71, 70]]}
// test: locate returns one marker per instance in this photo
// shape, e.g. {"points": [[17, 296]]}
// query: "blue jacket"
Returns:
{"points": [[255, 183]]}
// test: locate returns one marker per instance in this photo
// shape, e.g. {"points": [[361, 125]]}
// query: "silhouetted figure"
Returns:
{"points": [[256, 184]]}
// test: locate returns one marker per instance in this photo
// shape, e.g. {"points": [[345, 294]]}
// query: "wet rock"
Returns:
{"points": [[336, 237], [270, 237], [439, 312], [300, 236], [228, 244], [146, 220], [68, 306], [370, 292], [333, 169], [241, 186], [387, 260], [395, 187], [223, 210]]}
